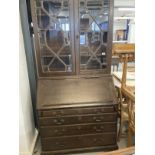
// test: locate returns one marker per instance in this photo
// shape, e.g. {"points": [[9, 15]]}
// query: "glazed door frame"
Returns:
{"points": [[107, 70], [37, 42], [75, 39]]}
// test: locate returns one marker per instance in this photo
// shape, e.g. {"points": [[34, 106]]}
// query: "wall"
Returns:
{"points": [[131, 37], [118, 25], [130, 3], [29, 51], [27, 132], [120, 17]]}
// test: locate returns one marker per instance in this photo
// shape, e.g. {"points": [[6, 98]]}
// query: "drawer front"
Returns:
{"points": [[109, 117], [73, 111], [54, 131], [51, 144]]}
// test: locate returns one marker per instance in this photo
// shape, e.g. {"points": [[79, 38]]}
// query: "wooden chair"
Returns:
{"points": [[125, 97], [131, 129], [129, 93], [122, 111], [115, 62], [123, 48], [118, 50]]}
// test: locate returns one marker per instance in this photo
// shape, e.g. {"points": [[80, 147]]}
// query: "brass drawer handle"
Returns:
{"points": [[60, 121], [55, 121], [98, 129], [98, 119], [59, 131]]}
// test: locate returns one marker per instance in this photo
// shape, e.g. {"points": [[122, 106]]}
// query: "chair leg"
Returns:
{"points": [[117, 67], [129, 137], [119, 131]]}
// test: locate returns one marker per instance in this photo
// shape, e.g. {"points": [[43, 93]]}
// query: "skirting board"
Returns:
{"points": [[32, 145]]}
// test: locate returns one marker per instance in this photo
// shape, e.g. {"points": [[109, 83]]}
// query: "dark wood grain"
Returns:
{"points": [[83, 150], [78, 110], [75, 91], [77, 119], [81, 141], [110, 35], [73, 107], [78, 129]]}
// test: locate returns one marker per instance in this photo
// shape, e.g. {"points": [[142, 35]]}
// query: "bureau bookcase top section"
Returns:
{"points": [[72, 37]]}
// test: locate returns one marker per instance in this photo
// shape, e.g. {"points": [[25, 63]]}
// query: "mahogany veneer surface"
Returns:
{"points": [[77, 115]]}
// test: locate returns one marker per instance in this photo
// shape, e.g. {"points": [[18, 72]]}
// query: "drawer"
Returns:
{"points": [[54, 131], [79, 119], [51, 144], [73, 111]]}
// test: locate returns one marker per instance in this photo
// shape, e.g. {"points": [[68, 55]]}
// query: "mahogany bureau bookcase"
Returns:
{"points": [[76, 102]]}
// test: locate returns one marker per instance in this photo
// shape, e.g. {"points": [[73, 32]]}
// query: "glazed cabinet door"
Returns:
{"points": [[54, 36], [94, 31]]}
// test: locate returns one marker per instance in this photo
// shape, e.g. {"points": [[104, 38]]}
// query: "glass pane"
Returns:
{"points": [[43, 19], [55, 35], [93, 34], [102, 22], [52, 7]]}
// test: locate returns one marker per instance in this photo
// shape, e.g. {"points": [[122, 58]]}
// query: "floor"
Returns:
{"points": [[120, 66], [121, 144]]}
